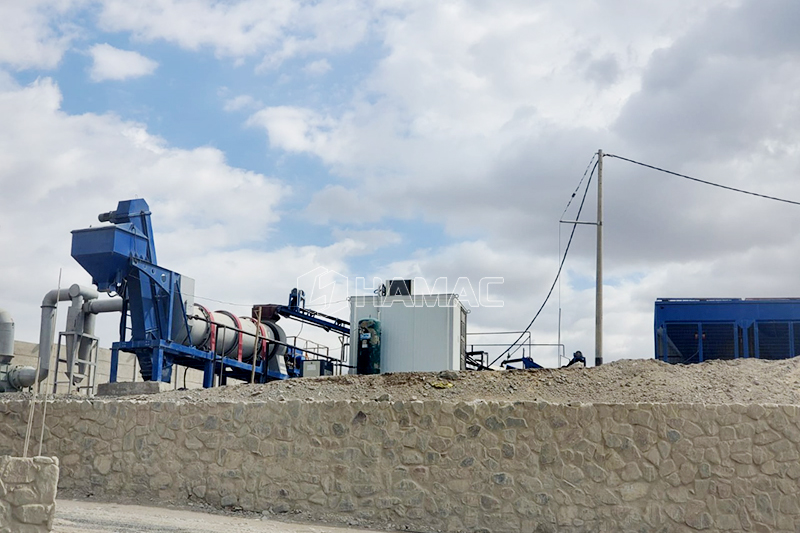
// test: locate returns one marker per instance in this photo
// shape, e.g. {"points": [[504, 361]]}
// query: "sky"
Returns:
{"points": [[283, 143]]}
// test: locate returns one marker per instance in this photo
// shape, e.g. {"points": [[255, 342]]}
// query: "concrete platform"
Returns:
{"points": [[132, 388]]}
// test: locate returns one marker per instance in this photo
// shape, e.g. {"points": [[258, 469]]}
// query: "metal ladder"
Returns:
{"points": [[86, 387]]}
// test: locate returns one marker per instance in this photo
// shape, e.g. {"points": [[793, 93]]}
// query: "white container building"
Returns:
{"points": [[419, 332]]}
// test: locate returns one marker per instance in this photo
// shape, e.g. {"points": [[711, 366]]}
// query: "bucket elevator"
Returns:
{"points": [[160, 322]]}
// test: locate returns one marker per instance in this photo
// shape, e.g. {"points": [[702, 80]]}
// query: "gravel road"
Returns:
{"points": [[74, 516]]}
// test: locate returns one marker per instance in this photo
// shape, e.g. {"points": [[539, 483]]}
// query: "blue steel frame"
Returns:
{"points": [[122, 258], [745, 315], [296, 309], [161, 351]]}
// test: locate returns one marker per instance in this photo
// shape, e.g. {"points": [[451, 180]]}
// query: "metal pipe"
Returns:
{"points": [[21, 377], [90, 310], [14, 377], [74, 331], [6, 336], [106, 305], [47, 330], [11, 377], [78, 345]]}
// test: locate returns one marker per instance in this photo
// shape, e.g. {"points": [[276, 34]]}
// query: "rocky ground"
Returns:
{"points": [[627, 381]]}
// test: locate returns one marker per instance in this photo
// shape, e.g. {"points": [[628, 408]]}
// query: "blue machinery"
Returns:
{"points": [[527, 363], [166, 326], [697, 330], [297, 310]]}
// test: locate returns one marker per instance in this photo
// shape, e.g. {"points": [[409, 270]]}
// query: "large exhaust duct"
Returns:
{"points": [[90, 309], [47, 331]]}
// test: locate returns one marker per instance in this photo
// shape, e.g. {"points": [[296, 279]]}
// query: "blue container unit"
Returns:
{"points": [[697, 330]]}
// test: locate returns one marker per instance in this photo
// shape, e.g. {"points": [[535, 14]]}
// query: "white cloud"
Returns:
{"points": [[240, 102], [371, 239], [36, 33], [274, 30], [232, 29], [482, 118], [317, 68], [476, 117], [202, 207], [295, 129], [109, 63]]}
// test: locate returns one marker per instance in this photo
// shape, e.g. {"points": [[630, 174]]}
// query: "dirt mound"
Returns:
{"points": [[626, 381]]}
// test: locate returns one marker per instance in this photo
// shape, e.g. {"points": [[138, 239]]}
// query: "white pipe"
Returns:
{"points": [[106, 305], [47, 330], [90, 310], [74, 329], [89, 293], [6, 336]]}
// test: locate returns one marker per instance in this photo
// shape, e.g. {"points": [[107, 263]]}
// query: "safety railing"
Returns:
{"points": [[517, 350]]}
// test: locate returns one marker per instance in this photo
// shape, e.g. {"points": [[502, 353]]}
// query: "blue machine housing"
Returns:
{"points": [[104, 252], [122, 259], [696, 330], [296, 310], [527, 363]]}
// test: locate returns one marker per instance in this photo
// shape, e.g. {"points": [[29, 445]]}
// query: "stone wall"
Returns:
{"points": [[430, 466], [27, 494]]}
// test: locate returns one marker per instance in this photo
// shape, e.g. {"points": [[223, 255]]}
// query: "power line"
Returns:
{"points": [[251, 305], [575, 224], [560, 266], [698, 180], [569, 203], [197, 297], [566, 208]]}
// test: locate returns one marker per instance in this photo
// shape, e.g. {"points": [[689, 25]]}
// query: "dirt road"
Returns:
{"points": [[97, 517]]}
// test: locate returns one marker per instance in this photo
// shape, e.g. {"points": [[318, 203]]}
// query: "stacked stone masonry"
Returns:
{"points": [[438, 466], [27, 494]]}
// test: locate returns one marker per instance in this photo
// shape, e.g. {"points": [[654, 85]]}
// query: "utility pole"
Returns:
{"points": [[598, 303], [598, 309]]}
